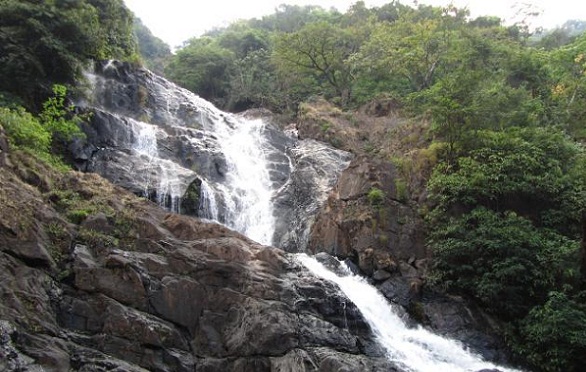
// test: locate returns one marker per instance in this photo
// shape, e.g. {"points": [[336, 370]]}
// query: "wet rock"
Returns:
{"points": [[11, 359], [297, 360], [315, 168], [455, 318], [350, 225], [123, 284], [82, 256], [381, 275], [397, 290], [173, 293], [179, 300], [366, 261]]}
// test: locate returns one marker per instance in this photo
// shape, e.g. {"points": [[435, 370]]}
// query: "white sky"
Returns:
{"points": [[175, 21]]}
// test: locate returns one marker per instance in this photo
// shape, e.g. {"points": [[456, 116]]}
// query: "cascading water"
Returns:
{"points": [[413, 349], [232, 158], [208, 207], [248, 193], [168, 189], [155, 138]]}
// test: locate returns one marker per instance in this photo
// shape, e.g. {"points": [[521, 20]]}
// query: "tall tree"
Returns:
{"points": [[322, 51]]}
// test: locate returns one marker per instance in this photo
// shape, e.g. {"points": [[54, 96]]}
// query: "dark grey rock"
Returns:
{"points": [[381, 275]]}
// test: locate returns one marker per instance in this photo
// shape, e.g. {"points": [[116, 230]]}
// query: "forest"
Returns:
{"points": [[505, 202]]}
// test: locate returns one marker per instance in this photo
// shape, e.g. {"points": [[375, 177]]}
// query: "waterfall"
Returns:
{"points": [[154, 137], [168, 189], [412, 349], [248, 193], [208, 206]]}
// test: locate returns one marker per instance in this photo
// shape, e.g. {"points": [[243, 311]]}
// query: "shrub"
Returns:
{"points": [[24, 130], [375, 196], [501, 259], [555, 334]]}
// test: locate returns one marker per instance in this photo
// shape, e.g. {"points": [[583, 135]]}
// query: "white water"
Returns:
{"points": [[413, 349], [169, 190], [208, 207], [248, 191]]}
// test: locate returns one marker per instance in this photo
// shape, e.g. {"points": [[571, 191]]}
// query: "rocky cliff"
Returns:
{"points": [[160, 141], [95, 278]]}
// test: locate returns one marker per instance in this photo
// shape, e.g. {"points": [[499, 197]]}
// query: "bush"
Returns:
{"points": [[554, 335], [59, 118], [24, 130], [501, 259], [375, 196]]}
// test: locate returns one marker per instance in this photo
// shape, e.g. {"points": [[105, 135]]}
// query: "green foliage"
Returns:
{"points": [[501, 259], [375, 196], [322, 51], [96, 239], [24, 130], [536, 172], [201, 66], [554, 334], [253, 83], [568, 88], [154, 51], [505, 230], [58, 117], [47, 42], [402, 189], [55, 126], [77, 216]]}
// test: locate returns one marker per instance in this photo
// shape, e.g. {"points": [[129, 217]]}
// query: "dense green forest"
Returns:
{"points": [[506, 205]]}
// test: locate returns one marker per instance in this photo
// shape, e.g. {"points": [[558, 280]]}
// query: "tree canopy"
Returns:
{"points": [[47, 42]]}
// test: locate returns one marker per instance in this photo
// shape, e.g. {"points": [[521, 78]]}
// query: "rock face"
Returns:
{"points": [[158, 140], [93, 278]]}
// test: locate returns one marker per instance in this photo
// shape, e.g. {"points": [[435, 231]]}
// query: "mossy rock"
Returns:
{"points": [[191, 199]]}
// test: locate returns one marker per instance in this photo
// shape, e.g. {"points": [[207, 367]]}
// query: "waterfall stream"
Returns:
{"points": [[246, 169], [168, 189], [248, 191], [413, 349]]}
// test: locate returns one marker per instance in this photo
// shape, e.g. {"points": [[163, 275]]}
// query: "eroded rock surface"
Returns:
{"points": [[160, 141], [93, 278]]}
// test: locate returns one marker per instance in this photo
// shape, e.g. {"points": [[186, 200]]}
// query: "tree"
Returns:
{"points": [[253, 83], [47, 42], [568, 86], [507, 217], [501, 260], [554, 334], [322, 51], [414, 47], [153, 50], [203, 66]]}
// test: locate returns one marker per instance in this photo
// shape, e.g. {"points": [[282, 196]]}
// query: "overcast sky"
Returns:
{"points": [[175, 21]]}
